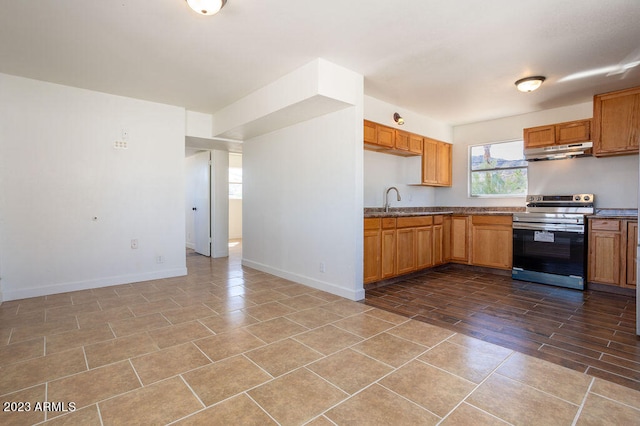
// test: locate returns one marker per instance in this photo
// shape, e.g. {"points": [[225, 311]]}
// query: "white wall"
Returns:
{"points": [[235, 206], [382, 171], [303, 182], [303, 203], [59, 170], [601, 176]]}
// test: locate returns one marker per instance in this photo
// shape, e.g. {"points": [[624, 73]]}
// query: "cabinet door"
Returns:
{"points": [[436, 162], [370, 133], [446, 238], [616, 122], [406, 250], [604, 257], [388, 253], [573, 132], [444, 163], [632, 241], [402, 140], [430, 161], [372, 255], [386, 136], [491, 241], [536, 137], [438, 245], [415, 144], [424, 244], [460, 239]]}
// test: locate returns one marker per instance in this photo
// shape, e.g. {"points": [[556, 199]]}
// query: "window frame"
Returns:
{"points": [[470, 171]]}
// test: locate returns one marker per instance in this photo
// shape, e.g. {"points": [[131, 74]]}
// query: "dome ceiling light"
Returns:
{"points": [[530, 84], [206, 7]]}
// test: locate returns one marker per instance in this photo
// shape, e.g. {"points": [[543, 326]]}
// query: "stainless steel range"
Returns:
{"points": [[550, 240]]}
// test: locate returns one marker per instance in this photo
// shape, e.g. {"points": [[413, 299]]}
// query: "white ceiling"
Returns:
{"points": [[455, 61]]}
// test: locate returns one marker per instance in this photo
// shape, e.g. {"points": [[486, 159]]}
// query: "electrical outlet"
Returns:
{"points": [[120, 145], [322, 268], [134, 244], [159, 259]]}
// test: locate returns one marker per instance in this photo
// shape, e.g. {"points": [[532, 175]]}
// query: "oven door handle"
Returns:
{"points": [[578, 229]]}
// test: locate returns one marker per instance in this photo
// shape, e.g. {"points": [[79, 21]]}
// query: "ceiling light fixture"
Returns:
{"points": [[530, 84], [206, 7], [398, 119]]}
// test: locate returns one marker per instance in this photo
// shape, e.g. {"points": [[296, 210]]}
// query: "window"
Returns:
{"points": [[498, 169], [235, 183]]}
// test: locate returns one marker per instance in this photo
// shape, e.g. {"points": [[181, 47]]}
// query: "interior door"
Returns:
{"points": [[202, 207]]}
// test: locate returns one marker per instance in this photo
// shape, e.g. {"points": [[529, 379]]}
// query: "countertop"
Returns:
{"points": [[615, 214], [600, 213], [431, 211]]}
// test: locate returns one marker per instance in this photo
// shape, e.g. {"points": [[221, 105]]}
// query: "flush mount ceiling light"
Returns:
{"points": [[529, 84], [206, 7], [398, 119]]}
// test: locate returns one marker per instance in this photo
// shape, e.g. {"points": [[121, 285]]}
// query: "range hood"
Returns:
{"points": [[558, 152]]}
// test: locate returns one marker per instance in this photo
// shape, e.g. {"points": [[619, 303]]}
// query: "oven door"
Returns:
{"points": [[557, 252]]}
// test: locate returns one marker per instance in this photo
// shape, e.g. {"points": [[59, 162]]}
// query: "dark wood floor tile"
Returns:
{"points": [[624, 362], [580, 330], [593, 363], [624, 381]]}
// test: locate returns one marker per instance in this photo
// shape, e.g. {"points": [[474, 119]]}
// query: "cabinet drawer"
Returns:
{"points": [[409, 222], [605, 225], [492, 220], [371, 223], [388, 222]]}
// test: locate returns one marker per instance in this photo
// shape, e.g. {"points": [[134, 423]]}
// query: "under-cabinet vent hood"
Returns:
{"points": [[559, 152]]}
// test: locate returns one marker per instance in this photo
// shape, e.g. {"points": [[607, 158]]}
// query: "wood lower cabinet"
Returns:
{"points": [[632, 253], [459, 239], [388, 248], [372, 250], [407, 244], [612, 252], [397, 246], [492, 241], [616, 122]]}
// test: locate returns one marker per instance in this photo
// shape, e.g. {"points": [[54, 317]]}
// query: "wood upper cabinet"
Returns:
{"points": [[492, 241], [616, 122], [372, 250], [436, 162], [536, 137], [415, 144], [612, 252], [378, 137], [557, 134]]}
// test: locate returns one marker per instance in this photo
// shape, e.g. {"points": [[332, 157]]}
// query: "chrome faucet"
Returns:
{"points": [[386, 198]]}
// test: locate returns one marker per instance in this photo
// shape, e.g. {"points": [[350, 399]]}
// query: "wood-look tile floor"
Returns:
{"points": [[228, 345], [592, 332]]}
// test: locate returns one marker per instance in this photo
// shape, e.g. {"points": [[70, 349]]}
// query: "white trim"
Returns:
{"points": [[90, 284], [355, 295]]}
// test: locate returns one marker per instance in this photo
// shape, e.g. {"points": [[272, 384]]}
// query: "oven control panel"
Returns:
{"points": [[566, 200]]}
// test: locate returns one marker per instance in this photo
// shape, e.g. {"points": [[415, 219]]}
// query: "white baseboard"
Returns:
{"points": [[89, 284], [310, 282]]}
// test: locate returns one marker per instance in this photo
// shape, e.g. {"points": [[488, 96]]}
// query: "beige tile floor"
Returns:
{"points": [[234, 346]]}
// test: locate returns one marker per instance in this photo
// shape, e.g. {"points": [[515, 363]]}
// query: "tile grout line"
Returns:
{"points": [[584, 400]]}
